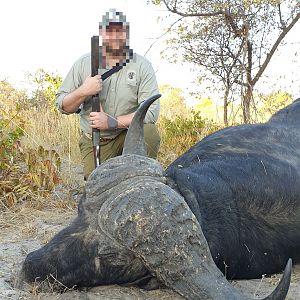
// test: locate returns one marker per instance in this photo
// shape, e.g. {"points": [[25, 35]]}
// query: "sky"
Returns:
{"points": [[53, 34]]}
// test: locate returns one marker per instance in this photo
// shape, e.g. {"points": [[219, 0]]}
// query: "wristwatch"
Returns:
{"points": [[112, 122]]}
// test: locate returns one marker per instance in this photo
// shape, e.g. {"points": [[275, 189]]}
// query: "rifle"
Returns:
{"points": [[95, 99]]}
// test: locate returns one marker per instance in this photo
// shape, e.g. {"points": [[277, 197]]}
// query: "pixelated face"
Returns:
{"points": [[114, 37]]}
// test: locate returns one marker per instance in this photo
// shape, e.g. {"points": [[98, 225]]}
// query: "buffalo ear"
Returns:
{"points": [[134, 141]]}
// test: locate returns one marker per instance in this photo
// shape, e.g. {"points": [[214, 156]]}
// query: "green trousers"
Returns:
{"points": [[114, 147]]}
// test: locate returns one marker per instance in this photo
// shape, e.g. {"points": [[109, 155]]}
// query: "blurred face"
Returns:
{"points": [[114, 38]]}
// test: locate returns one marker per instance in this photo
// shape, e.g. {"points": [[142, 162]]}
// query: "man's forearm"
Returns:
{"points": [[73, 100], [125, 121], [91, 86]]}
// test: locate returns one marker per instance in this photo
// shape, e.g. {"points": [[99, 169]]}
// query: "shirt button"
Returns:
{"points": [[112, 90]]}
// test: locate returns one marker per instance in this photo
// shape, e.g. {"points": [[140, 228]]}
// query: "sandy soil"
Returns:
{"points": [[27, 230]]}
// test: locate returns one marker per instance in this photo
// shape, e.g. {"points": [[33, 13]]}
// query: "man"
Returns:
{"points": [[120, 94]]}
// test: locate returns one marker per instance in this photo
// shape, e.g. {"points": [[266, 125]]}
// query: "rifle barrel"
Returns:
{"points": [[95, 99]]}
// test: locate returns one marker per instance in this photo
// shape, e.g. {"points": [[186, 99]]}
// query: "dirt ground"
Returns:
{"points": [[29, 229]]}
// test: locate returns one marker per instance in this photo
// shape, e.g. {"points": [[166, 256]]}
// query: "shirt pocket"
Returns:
{"points": [[131, 77]]}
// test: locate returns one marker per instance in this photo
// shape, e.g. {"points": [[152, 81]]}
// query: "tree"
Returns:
{"points": [[45, 87], [11, 99], [172, 102], [234, 40]]}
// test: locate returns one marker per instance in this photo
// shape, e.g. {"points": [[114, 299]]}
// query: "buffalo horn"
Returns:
{"points": [[134, 141]]}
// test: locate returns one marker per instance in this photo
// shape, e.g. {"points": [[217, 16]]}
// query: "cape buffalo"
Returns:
{"points": [[230, 205]]}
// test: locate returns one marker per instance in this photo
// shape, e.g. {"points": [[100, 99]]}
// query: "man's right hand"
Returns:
{"points": [[91, 86]]}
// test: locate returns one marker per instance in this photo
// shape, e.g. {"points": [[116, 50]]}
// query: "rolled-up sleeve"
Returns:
{"points": [[147, 88], [72, 81]]}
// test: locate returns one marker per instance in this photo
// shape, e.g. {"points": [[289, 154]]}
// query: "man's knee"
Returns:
{"points": [[87, 155], [114, 148], [108, 149], [152, 140]]}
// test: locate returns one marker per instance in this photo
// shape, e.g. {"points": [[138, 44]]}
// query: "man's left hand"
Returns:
{"points": [[99, 120]]}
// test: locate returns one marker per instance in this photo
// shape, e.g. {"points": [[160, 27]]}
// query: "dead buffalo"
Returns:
{"points": [[230, 205]]}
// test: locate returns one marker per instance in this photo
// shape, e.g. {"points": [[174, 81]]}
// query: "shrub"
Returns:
{"points": [[24, 175], [182, 132], [10, 134], [191, 125]]}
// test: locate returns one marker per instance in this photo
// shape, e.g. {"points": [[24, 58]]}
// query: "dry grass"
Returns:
{"points": [[54, 131], [172, 147], [60, 133], [21, 222]]}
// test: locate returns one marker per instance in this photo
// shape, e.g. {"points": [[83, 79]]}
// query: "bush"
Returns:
{"points": [[180, 133], [191, 125], [10, 135], [24, 175]]}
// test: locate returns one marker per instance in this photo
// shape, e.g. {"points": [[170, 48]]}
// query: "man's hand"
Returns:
{"points": [[91, 86], [99, 120]]}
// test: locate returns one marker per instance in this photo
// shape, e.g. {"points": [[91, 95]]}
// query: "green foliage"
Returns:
{"points": [[275, 101], [155, 2], [25, 174], [11, 130], [271, 103], [206, 107], [34, 174], [181, 125], [46, 85], [43, 168], [180, 133]]}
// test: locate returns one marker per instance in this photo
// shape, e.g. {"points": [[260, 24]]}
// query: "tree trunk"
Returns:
{"points": [[246, 99], [247, 93], [226, 106]]}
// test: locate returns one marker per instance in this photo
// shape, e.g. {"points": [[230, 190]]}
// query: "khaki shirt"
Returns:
{"points": [[121, 94]]}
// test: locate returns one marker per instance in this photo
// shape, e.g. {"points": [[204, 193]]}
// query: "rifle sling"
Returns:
{"points": [[110, 72], [105, 76]]}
